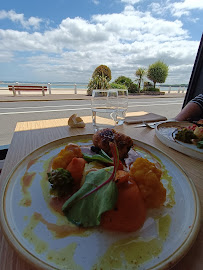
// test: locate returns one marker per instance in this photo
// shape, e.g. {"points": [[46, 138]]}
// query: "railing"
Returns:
{"points": [[50, 86], [83, 87], [170, 89], [75, 87]]}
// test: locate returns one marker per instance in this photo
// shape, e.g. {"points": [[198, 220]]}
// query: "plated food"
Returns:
{"points": [[120, 190], [67, 206], [182, 136], [192, 134]]}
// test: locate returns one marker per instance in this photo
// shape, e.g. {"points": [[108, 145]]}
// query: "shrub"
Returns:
{"points": [[117, 86], [101, 71], [133, 88], [124, 80], [97, 82], [152, 89], [147, 85]]}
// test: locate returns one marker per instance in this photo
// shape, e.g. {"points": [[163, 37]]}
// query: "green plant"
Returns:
{"points": [[152, 89], [102, 71], [133, 88], [157, 72], [148, 84], [97, 82], [140, 73], [117, 86], [100, 79], [124, 80]]}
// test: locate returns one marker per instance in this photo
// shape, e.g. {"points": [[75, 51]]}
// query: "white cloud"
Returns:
{"points": [[96, 2], [15, 17], [189, 4], [184, 7], [131, 2], [177, 9], [123, 41], [158, 8]]}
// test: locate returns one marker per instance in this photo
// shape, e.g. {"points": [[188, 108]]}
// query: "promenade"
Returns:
{"points": [[7, 96]]}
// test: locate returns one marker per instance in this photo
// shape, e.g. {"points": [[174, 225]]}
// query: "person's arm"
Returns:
{"points": [[191, 111]]}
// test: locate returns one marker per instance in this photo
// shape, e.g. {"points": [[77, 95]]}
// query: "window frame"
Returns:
{"points": [[195, 85]]}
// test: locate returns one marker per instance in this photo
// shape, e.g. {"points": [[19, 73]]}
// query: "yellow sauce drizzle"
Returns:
{"points": [[40, 245], [131, 253], [164, 226], [64, 257]]}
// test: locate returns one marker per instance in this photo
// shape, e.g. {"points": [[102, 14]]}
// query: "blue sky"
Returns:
{"points": [[66, 40]]}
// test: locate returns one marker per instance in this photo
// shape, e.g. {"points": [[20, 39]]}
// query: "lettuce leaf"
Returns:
{"points": [[85, 208], [101, 157]]}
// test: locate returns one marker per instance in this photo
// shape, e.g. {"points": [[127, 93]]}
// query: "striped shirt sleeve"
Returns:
{"points": [[198, 100]]}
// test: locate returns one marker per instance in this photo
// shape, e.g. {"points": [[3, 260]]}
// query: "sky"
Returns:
{"points": [[65, 40]]}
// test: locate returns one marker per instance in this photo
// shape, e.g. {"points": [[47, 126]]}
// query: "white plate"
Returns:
{"points": [[165, 133], [96, 249]]}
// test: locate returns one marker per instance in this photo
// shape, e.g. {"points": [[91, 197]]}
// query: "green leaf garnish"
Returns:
{"points": [[87, 212], [101, 157], [96, 196]]}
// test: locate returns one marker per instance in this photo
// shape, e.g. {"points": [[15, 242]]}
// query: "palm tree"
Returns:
{"points": [[140, 73]]}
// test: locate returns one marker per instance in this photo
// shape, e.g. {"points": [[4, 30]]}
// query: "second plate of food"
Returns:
{"points": [[166, 133]]}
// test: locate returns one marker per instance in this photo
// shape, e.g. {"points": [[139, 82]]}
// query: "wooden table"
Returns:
{"points": [[31, 135]]}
